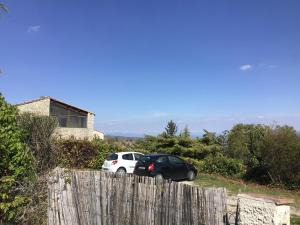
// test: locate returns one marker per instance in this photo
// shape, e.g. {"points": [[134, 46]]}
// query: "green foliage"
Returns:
{"points": [[185, 133], [15, 164], [209, 138], [38, 131], [245, 141], [295, 220], [74, 153], [281, 156], [171, 129], [223, 165], [199, 164], [271, 154], [179, 145]]}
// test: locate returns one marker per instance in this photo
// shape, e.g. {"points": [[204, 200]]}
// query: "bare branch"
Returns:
{"points": [[3, 8]]}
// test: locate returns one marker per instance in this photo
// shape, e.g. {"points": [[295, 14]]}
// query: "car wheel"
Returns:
{"points": [[191, 175], [121, 171]]}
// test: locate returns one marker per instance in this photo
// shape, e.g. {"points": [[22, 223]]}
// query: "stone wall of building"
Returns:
{"points": [[90, 121], [98, 134], [258, 211], [41, 107], [78, 133]]}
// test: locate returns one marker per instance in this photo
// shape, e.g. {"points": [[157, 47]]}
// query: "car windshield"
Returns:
{"points": [[113, 156]]}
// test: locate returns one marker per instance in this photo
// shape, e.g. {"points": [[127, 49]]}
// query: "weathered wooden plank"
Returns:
{"points": [[99, 198]]}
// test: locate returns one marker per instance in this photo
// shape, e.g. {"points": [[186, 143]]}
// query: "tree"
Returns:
{"points": [[209, 138], [15, 164], [245, 141], [280, 156], [186, 132], [222, 139], [171, 129]]}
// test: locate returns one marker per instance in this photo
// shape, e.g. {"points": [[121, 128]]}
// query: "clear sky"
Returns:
{"points": [[137, 63]]}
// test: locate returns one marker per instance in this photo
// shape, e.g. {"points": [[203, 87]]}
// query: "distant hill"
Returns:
{"points": [[122, 138]]}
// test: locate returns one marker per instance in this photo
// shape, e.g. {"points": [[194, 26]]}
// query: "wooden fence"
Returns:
{"points": [[100, 198]]}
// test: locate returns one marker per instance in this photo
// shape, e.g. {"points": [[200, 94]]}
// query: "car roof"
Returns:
{"points": [[157, 154], [123, 153]]}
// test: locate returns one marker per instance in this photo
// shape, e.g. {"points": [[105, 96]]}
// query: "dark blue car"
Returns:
{"points": [[165, 166]]}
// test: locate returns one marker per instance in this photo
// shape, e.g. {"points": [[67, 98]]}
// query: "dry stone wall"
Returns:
{"points": [[259, 211]]}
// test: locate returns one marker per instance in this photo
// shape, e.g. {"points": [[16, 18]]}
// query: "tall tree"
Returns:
{"points": [[209, 138], [186, 132], [171, 128]]}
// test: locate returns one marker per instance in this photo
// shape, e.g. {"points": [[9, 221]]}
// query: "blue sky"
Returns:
{"points": [[137, 64]]}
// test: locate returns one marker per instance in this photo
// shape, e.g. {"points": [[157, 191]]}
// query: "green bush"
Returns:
{"points": [[224, 166], [79, 154], [281, 156], [199, 164], [38, 131], [15, 164]]}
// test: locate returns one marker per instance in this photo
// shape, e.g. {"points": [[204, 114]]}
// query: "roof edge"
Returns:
{"points": [[52, 99]]}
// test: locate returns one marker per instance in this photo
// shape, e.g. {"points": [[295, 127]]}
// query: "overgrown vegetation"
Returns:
{"points": [[258, 153], [15, 165], [74, 153], [265, 154], [37, 135]]}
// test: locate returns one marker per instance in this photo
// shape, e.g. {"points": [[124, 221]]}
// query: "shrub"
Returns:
{"points": [[79, 154], [280, 156], [15, 164], [38, 131], [223, 165], [199, 164]]}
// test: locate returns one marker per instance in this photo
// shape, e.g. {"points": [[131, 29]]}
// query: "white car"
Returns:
{"points": [[121, 162]]}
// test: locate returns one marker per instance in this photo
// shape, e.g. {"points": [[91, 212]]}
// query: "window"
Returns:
{"points": [[68, 117], [127, 157], [145, 159], [137, 156], [175, 160], [112, 157], [162, 160]]}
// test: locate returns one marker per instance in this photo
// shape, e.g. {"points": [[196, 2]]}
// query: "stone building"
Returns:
{"points": [[73, 121]]}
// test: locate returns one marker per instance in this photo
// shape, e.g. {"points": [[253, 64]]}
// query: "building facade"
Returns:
{"points": [[73, 121]]}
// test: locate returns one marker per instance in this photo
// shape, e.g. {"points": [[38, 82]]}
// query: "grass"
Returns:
{"points": [[238, 186], [295, 220]]}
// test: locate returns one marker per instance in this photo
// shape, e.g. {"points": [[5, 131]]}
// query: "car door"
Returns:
{"points": [[178, 168], [163, 165], [129, 162]]}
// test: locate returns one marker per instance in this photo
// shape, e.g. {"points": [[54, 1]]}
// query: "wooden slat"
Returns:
{"points": [[100, 198]]}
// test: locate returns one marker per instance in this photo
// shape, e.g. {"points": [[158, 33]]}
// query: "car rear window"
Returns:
{"points": [[162, 160], [175, 160], [137, 156], [144, 159], [127, 156], [113, 156]]}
